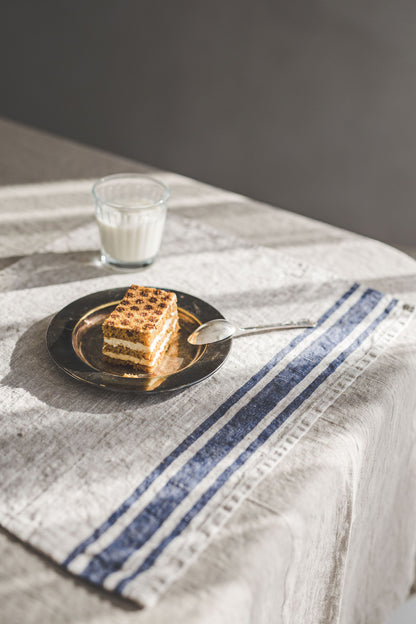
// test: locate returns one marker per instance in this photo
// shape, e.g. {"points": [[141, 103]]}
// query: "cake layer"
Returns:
{"points": [[138, 367], [143, 366], [135, 344], [136, 352], [141, 315]]}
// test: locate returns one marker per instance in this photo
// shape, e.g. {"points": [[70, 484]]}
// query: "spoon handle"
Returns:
{"points": [[276, 326]]}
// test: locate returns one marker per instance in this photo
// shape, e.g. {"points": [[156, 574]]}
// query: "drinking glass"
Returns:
{"points": [[131, 210]]}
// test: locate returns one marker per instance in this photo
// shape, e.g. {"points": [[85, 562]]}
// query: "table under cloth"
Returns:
{"points": [[322, 532]]}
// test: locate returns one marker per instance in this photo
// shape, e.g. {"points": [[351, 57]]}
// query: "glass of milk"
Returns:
{"points": [[131, 211]]}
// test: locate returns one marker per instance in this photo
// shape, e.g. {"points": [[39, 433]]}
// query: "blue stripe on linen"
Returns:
{"points": [[253, 447], [202, 428], [149, 520]]}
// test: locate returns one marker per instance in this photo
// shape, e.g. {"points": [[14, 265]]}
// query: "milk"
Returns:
{"points": [[132, 238]]}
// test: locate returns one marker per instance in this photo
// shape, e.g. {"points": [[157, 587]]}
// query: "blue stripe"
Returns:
{"points": [[148, 521], [253, 447], [202, 428]]}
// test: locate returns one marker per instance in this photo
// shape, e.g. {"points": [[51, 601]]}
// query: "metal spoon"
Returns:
{"points": [[221, 329]]}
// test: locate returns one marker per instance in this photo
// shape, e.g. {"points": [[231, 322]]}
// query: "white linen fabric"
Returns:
{"points": [[126, 491]]}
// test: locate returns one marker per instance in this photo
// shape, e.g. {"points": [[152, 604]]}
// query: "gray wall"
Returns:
{"points": [[306, 104]]}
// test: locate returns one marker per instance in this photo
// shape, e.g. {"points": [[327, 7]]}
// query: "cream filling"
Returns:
{"points": [[138, 360], [129, 358], [135, 346], [138, 346]]}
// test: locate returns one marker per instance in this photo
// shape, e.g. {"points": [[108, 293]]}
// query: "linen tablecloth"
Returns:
{"points": [[75, 457]]}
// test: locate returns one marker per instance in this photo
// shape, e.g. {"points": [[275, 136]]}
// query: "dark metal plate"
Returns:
{"points": [[74, 339]]}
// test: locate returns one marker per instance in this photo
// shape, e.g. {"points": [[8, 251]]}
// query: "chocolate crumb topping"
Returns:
{"points": [[140, 313]]}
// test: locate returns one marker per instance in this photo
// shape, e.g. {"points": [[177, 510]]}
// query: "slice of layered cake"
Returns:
{"points": [[139, 329]]}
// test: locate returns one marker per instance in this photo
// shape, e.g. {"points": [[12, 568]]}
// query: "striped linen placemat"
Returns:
{"points": [[125, 491]]}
